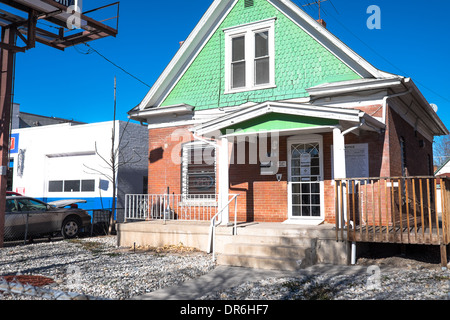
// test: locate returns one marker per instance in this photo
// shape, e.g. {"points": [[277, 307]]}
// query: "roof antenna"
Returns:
{"points": [[319, 3]]}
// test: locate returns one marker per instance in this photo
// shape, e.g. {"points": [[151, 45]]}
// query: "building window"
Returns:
{"points": [[55, 186], [250, 57], [262, 58], [87, 185], [198, 167], [403, 156], [71, 186]]}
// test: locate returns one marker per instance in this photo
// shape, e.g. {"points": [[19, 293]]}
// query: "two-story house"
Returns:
{"points": [[263, 101]]}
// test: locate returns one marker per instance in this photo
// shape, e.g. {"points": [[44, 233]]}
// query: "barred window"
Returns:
{"points": [[198, 176]]}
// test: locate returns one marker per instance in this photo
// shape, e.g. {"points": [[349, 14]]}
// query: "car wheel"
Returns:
{"points": [[70, 228]]}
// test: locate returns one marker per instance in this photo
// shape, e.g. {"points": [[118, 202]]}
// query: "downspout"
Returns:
{"points": [[386, 98], [362, 122], [353, 245]]}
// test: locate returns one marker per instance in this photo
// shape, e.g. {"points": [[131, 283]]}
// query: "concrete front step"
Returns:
{"points": [[276, 246], [318, 243], [260, 262], [273, 240], [273, 251], [286, 230], [268, 256]]}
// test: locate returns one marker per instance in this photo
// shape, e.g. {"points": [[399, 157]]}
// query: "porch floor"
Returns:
{"points": [[404, 235]]}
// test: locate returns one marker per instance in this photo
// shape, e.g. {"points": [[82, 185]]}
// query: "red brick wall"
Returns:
{"points": [[163, 172], [263, 198], [417, 157]]}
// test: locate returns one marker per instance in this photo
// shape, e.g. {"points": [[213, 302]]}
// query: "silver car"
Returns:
{"points": [[29, 217]]}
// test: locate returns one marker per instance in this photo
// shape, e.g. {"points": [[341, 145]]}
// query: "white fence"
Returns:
{"points": [[170, 207]]}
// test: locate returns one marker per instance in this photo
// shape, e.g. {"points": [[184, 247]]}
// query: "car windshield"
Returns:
{"points": [[11, 206], [31, 205]]}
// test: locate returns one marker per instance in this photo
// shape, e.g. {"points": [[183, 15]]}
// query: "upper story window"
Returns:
{"points": [[250, 57]]}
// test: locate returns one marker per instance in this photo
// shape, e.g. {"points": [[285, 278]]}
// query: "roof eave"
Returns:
{"points": [[341, 114], [441, 129], [145, 115], [187, 50]]}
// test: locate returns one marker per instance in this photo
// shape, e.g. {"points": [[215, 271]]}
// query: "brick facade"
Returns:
{"points": [[263, 198], [164, 172]]}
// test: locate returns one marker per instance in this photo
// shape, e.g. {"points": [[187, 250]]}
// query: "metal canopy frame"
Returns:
{"points": [[56, 14], [19, 24]]}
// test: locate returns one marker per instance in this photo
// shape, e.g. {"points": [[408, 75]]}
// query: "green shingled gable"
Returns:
{"points": [[300, 63]]}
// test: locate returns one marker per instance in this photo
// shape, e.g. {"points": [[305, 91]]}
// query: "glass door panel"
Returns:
{"points": [[305, 173]]}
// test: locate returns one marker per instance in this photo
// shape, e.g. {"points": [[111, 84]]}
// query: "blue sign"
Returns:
{"points": [[14, 145]]}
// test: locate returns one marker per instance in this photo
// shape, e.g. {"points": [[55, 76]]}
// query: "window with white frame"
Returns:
{"points": [[198, 169], [71, 186], [250, 57]]}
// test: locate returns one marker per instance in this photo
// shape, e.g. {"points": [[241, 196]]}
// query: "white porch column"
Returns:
{"points": [[224, 178], [340, 172], [339, 167]]}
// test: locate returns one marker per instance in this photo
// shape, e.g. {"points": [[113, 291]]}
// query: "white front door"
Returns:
{"points": [[305, 179]]}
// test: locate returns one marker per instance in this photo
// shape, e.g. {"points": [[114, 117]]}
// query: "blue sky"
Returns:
{"points": [[414, 41]]}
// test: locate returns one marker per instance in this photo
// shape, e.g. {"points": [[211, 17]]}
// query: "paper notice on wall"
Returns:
{"points": [[305, 164], [357, 160]]}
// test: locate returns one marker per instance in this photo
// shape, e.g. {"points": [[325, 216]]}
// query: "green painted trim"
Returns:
{"points": [[277, 122]]}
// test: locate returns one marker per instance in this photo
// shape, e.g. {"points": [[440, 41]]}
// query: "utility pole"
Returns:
{"points": [[7, 59]]}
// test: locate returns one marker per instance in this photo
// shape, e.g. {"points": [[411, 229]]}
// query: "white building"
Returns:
{"points": [[68, 161]]}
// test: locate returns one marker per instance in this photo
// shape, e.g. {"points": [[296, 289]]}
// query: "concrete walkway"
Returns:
{"points": [[224, 277]]}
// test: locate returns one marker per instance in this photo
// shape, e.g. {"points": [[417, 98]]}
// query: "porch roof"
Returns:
{"points": [[287, 117]]}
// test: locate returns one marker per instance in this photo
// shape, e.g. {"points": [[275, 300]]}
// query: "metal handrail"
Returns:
{"points": [[212, 231], [170, 207]]}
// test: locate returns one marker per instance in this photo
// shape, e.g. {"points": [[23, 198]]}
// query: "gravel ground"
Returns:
{"points": [[97, 268], [390, 285]]}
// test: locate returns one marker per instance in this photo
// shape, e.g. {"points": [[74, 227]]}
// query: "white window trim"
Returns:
{"points": [[249, 30], [187, 197]]}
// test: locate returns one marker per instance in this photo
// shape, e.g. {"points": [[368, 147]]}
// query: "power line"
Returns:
{"points": [[91, 49], [379, 55], [334, 7]]}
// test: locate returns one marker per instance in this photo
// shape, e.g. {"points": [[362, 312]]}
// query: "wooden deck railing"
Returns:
{"points": [[406, 210]]}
